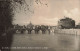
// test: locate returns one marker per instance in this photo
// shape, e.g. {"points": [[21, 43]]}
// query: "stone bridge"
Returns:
{"points": [[35, 29]]}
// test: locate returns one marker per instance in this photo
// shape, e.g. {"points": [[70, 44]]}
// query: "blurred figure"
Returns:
{"points": [[37, 28], [43, 29]]}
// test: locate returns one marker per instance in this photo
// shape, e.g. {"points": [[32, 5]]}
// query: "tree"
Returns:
{"points": [[6, 16], [7, 11]]}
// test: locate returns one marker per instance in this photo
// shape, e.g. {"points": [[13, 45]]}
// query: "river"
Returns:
{"points": [[45, 42]]}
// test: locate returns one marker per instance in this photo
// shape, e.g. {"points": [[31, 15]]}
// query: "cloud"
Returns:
{"points": [[73, 13], [45, 20], [48, 15]]}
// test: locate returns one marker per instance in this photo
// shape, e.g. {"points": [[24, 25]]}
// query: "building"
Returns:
{"points": [[66, 23], [30, 25], [78, 26]]}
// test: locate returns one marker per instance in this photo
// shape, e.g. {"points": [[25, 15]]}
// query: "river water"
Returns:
{"points": [[45, 42]]}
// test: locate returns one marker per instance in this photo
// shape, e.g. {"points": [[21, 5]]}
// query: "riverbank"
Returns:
{"points": [[67, 31]]}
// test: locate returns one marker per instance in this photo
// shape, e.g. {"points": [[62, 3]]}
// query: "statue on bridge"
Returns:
{"points": [[37, 28], [43, 29]]}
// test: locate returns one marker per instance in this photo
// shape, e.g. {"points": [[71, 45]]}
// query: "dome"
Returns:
{"points": [[30, 24]]}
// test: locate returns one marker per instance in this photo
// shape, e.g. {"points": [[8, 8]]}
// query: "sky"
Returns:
{"points": [[46, 12]]}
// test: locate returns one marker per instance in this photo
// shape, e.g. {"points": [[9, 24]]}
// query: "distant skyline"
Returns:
{"points": [[46, 12]]}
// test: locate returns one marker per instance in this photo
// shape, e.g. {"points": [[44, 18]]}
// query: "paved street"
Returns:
{"points": [[45, 42]]}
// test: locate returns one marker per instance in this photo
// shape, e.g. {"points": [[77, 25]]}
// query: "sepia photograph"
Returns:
{"points": [[39, 25]]}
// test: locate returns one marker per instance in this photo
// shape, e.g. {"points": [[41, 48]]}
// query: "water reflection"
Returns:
{"points": [[67, 42], [54, 42]]}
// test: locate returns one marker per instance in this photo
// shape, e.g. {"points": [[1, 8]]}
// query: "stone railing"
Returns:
{"points": [[67, 31]]}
